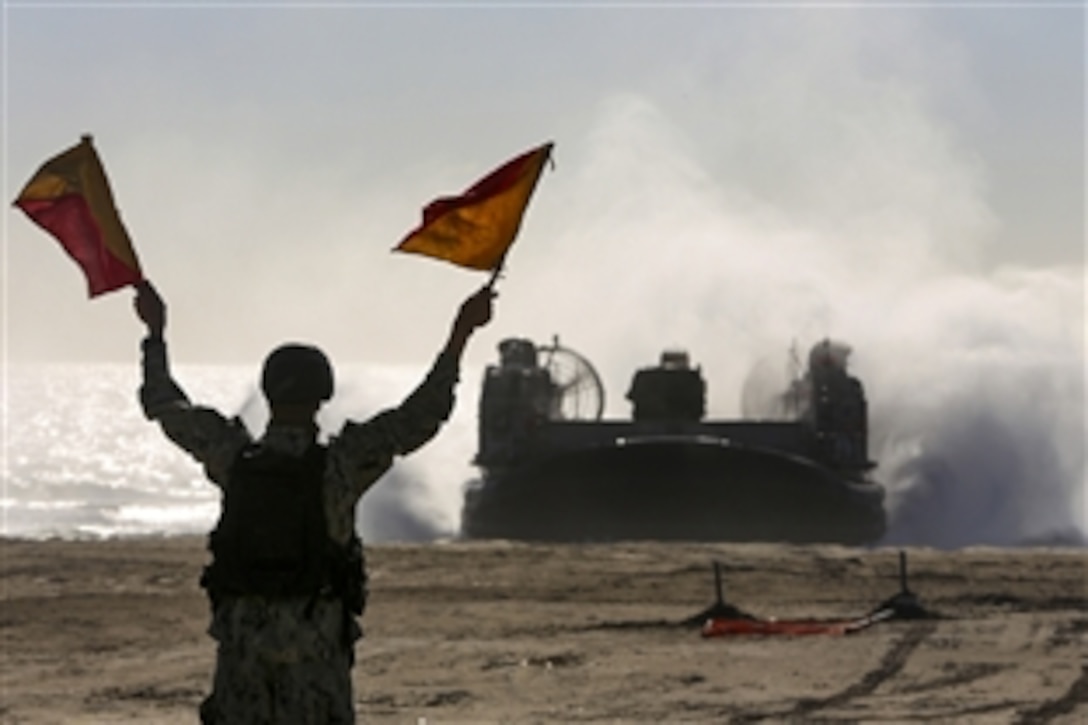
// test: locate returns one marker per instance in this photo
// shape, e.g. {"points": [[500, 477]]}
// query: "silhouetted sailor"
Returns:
{"points": [[287, 578]]}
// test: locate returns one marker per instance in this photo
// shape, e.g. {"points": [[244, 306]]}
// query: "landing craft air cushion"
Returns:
{"points": [[553, 470]]}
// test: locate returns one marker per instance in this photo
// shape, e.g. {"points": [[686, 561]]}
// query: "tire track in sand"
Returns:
{"points": [[1075, 695], [891, 663]]}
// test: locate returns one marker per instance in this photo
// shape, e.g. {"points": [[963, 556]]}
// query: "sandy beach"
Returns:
{"points": [[494, 632]]}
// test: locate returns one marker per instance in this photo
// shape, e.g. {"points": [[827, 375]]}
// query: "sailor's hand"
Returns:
{"points": [[475, 311], [150, 308]]}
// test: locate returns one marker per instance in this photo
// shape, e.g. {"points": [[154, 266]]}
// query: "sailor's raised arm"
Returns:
{"points": [[159, 393], [418, 418], [204, 433], [364, 450], [475, 312], [150, 308]]}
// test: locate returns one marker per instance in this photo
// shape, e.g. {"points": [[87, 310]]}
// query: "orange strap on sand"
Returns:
{"points": [[724, 620], [724, 627]]}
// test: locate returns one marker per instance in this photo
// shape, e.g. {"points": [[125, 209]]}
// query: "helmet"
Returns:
{"points": [[296, 373]]}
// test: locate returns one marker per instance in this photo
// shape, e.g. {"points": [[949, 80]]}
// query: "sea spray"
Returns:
{"points": [[979, 416], [975, 375]]}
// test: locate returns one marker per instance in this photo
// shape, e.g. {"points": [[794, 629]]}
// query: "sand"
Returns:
{"points": [[496, 632]]}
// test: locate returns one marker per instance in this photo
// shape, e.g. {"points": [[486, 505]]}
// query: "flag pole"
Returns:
{"points": [[495, 273]]}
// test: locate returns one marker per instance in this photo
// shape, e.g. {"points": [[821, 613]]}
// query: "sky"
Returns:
{"points": [[266, 157], [734, 179]]}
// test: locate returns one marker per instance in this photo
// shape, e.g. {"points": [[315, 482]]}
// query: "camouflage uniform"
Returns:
{"points": [[278, 659]]}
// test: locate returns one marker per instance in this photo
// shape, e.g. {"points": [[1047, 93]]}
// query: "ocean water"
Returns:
{"points": [[990, 462], [80, 460]]}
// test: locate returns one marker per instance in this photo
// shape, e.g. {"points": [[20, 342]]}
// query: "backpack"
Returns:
{"points": [[272, 536]]}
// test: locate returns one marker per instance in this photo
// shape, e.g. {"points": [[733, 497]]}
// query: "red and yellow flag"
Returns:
{"points": [[476, 228], [70, 198]]}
